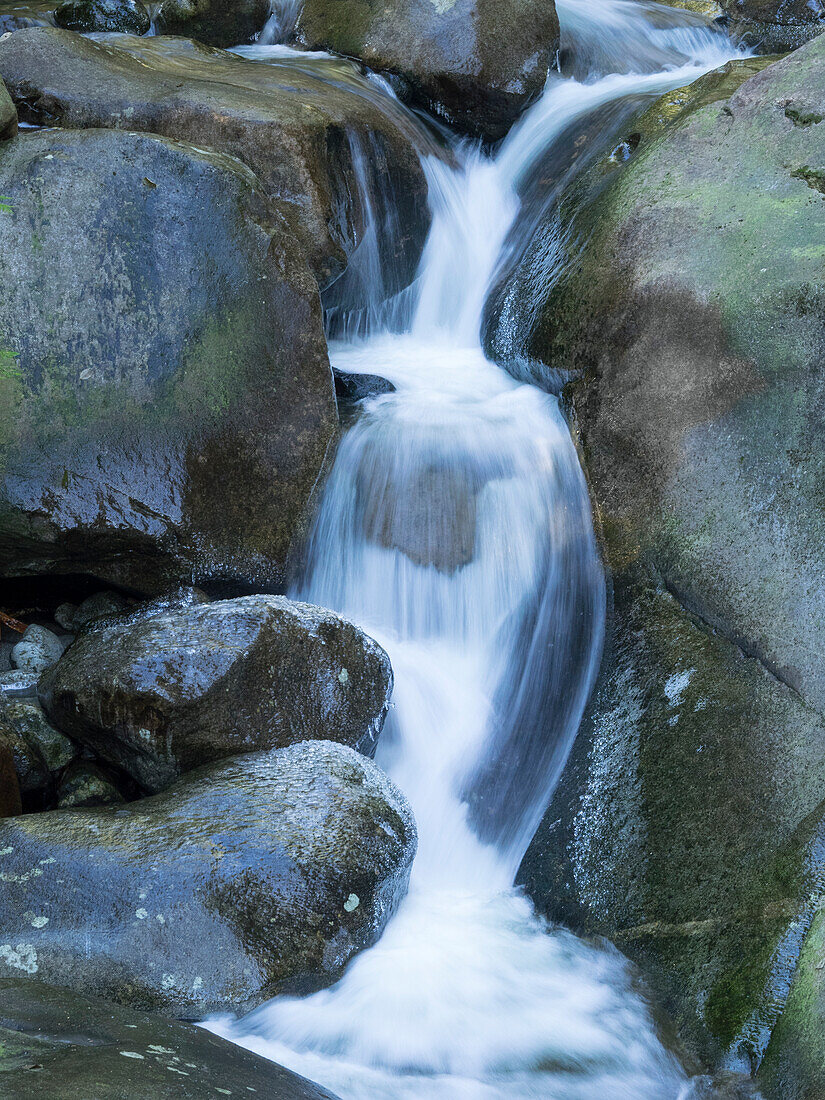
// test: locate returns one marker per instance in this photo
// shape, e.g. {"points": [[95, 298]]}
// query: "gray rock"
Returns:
{"points": [[128, 16], [18, 684], [64, 615], [37, 650], [167, 690], [158, 388], [325, 168], [234, 885], [84, 784], [687, 826], [8, 114], [475, 64], [98, 606], [215, 22], [60, 1044], [26, 715], [10, 803]]}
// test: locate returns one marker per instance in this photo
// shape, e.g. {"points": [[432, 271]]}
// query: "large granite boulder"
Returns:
{"points": [[61, 1044], [687, 826], [161, 692], [775, 26], [166, 401], [475, 63], [215, 22], [339, 155], [252, 876]]}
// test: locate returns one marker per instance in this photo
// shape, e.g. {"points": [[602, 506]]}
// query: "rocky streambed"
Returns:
{"points": [[190, 817]]}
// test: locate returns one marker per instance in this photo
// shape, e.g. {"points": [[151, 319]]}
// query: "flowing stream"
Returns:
{"points": [[455, 528]]}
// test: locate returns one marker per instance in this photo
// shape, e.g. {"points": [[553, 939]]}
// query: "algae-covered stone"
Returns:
{"points": [[475, 63], [128, 16], [40, 752], [339, 157], [61, 1044], [775, 25], [10, 803], [215, 22], [168, 689], [169, 403], [794, 1065], [217, 894], [85, 784], [686, 825], [8, 114]]}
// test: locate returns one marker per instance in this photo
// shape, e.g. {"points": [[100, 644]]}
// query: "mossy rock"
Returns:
{"points": [[171, 405], [257, 875], [57, 1043], [694, 318], [474, 63], [126, 16]]}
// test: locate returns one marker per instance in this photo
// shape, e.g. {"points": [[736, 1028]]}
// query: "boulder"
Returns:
{"points": [[40, 752], [253, 876], [37, 650], [85, 784], [171, 405], [10, 803], [127, 16], [161, 692], [339, 155], [57, 1043], [775, 26], [474, 63], [215, 22], [686, 826], [99, 605], [8, 114]]}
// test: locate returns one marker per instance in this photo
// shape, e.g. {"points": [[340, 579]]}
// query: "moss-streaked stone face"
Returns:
{"points": [[161, 692], [295, 125], [217, 894], [215, 22], [169, 405], [686, 827], [476, 64], [64, 1044]]}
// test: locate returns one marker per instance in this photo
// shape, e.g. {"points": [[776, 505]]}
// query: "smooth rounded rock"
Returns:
{"points": [[37, 650], [217, 894], [166, 690], [127, 16], [56, 1043]]}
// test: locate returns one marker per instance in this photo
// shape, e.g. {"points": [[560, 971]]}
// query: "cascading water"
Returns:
{"points": [[455, 528]]}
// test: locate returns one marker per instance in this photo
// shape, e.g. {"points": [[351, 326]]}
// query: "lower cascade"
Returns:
{"points": [[455, 528]]}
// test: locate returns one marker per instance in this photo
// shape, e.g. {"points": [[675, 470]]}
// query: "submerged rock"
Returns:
{"points": [[687, 824], [61, 1044], [477, 65], [161, 693], [328, 147], [128, 16], [215, 22], [226, 889], [146, 432]]}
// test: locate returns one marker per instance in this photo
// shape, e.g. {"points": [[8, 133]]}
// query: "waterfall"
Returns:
{"points": [[455, 528]]}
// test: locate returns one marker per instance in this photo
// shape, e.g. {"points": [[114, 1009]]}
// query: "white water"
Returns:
{"points": [[456, 529]]}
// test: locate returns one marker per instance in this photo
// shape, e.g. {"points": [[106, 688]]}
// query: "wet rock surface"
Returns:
{"points": [[234, 885], [687, 825], [127, 16], [774, 26], [298, 126], [58, 1043], [166, 690], [10, 801], [144, 433], [214, 22], [476, 65]]}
